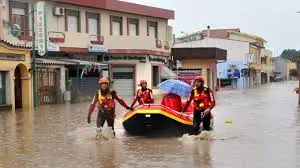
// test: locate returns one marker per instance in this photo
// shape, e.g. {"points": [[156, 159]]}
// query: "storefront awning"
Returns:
{"points": [[46, 61], [167, 73], [82, 62]]}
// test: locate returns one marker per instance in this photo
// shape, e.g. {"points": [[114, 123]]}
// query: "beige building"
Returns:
{"points": [[257, 55], [134, 39]]}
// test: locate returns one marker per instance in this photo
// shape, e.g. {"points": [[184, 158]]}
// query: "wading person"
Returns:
{"points": [[104, 100], [204, 101]]}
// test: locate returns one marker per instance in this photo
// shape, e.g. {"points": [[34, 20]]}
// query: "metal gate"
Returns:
{"points": [[123, 80], [48, 85]]}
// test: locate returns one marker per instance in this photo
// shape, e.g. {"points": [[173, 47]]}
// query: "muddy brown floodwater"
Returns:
{"points": [[265, 132]]}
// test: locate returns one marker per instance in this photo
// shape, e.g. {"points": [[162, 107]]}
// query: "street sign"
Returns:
{"points": [[41, 35]]}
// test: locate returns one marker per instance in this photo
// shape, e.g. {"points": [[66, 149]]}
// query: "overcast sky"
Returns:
{"points": [[274, 20]]}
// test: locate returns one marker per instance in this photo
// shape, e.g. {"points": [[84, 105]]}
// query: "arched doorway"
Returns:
{"points": [[18, 88], [21, 86]]}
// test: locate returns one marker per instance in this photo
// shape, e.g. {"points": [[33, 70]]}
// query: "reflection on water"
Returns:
{"points": [[265, 133]]}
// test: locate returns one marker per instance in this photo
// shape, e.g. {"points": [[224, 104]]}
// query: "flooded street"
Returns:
{"points": [[265, 132]]}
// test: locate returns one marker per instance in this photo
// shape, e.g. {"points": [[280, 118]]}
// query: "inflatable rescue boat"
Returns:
{"points": [[155, 119]]}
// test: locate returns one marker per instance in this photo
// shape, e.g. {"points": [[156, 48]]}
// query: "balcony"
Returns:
{"points": [[166, 45], [96, 39], [56, 37], [158, 44]]}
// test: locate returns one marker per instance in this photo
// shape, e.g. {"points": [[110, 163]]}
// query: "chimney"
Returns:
{"points": [[208, 31]]}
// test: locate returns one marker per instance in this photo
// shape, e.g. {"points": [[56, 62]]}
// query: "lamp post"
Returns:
{"points": [[34, 76]]}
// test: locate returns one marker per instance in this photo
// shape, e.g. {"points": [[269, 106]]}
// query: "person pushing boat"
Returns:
{"points": [[104, 100]]}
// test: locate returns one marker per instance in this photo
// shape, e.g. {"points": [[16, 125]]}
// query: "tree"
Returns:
{"points": [[291, 55]]}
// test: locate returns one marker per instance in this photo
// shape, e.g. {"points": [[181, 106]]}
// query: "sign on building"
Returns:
{"points": [[40, 29], [97, 48], [250, 58]]}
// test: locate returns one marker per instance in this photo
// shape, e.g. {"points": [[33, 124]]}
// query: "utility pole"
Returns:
{"points": [[34, 72]]}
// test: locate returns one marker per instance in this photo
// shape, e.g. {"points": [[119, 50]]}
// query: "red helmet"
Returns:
{"points": [[142, 82], [103, 80], [200, 78]]}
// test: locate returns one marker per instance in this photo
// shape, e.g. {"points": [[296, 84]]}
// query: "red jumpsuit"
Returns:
{"points": [[203, 99], [106, 105], [143, 96]]}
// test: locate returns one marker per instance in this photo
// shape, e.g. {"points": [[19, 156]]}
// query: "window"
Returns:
{"points": [[18, 17], [18, 13], [73, 21], [116, 25], [155, 76], [133, 27], [93, 23], [152, 29]]}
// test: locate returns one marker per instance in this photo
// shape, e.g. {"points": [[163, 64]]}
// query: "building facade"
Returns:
{"points": [[236, 56], [15, 77], [135, 43]]}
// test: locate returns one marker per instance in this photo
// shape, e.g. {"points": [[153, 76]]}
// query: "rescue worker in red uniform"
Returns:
{"points": [[104, 100], [204, 101], [143, 95]]}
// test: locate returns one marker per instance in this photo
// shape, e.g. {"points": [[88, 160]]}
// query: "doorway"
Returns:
{"points": [[18, 88]]}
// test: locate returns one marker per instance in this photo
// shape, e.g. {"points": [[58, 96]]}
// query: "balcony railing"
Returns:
{"points": [[166, 45], [158, 44], [56, 37], [96, 39]]}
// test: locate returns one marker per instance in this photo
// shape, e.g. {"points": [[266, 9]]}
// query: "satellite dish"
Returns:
{"points": [[16, 30]]}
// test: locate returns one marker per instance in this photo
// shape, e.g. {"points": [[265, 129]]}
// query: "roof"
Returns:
{"points": [[199, 53], [124, 7], [220, 33], [82, 62], [64, 61], [250, 35], [214, 33], [14, 45]]}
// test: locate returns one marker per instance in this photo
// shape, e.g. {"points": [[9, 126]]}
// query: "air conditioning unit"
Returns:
{"points": [[59, 11]]}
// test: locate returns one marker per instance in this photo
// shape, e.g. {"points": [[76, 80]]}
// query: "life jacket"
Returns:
{"points": [[106, 102], [145, 96], [201, 99]]}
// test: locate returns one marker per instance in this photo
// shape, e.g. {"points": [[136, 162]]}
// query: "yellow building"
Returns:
{"points": [[15, 80]]}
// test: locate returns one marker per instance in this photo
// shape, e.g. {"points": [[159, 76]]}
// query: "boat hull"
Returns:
{"points": [[157, 120]]}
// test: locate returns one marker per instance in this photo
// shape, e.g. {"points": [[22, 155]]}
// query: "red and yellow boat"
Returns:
{"points": [[155, 119]]}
